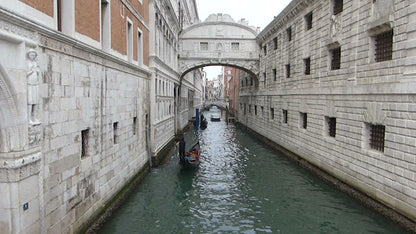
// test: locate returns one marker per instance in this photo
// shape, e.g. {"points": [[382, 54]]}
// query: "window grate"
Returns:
{"points": [[304, 120], [384, 46], [307, 63], [332, 123], [338, 6], [336, 58], [284, 113], [377, 133], [85, 143]]}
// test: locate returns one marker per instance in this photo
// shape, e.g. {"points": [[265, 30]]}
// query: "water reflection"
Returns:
{"points": [[241, 186]]}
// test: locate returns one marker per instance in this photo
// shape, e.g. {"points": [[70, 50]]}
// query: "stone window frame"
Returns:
{"points": [[105, 23], [308, 21], [140, 49], [129, 39]]}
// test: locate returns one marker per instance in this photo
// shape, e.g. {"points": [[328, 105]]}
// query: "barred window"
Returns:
{"points": [[307, 63], [284, 115], [235, 46], [336, 58], [303, 120], [115, 133], [272, 113], [135, 124], [203, 46], [308, 21], [384, 46], [274, 74], [85, 142], [287, 70], [377, 133], [338, 6], [275, 43], [289, 33], [331, 126]]}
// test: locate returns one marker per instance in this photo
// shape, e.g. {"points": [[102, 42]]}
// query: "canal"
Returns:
{"points": [[241, 186]]}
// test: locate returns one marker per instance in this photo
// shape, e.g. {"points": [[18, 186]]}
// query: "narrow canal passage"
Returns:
{"points": [[241, 186]]}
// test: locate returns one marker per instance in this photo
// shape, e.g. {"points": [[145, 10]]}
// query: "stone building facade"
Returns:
{"points": [[172, 98], [337, 87], [74, 100]]}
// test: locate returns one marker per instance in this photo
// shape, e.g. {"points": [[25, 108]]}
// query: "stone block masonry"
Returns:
{"points": [[355, 122]]}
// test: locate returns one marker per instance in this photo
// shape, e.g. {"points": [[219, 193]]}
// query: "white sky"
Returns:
{"points": [[259, 13]]}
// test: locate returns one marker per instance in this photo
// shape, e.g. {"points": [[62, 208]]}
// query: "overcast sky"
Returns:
{"points": [[259, 13]]}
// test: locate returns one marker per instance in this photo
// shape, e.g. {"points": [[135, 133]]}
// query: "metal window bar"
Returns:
{"points": [[332, 122], [384, 46], [377, 136]]}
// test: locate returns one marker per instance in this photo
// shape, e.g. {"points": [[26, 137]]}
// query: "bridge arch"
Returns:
{"points": [[219, 40]]}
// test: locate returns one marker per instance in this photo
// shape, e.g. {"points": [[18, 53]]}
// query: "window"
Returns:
{"points": [[59, 15], [262, 111], [203, 46], [244, 109], [284, 116], [129, 40], [289, 33], [115, 132], [134, 125], [265, 50], [235, 46], [272, 113], [336, 58], [274, 74], [338, 6], [287, 70], [249, 108], [105, 25], [84, 141], [303, 120], [307, 65], [308, 21], [275, 43], [255, 109], [264, 79], [384, 46], [251, 81], [331, 126], [375, 136], [139, 47]]}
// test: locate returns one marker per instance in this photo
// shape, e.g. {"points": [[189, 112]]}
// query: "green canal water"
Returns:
{"points": [[241, 186]]}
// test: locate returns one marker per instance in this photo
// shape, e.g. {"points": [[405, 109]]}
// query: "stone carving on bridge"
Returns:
{"points": [[33, 75]]}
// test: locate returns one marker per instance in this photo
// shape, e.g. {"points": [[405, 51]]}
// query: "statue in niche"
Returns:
{"points": [[33, 76]]}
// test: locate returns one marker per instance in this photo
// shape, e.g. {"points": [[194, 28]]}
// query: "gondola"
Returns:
{"points": [[191, 158]]}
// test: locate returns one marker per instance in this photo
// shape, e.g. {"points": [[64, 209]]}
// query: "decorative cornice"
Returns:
{"points": [[136, 14]]}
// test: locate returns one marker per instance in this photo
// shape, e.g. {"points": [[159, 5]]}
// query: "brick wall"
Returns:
{"points": [[41, 5]]}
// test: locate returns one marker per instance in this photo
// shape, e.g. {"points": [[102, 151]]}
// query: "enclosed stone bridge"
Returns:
{"points": [[221, 104], [219, 40]]}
